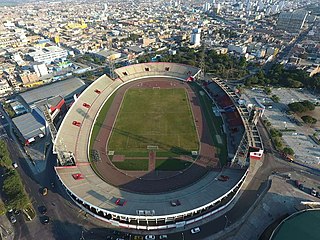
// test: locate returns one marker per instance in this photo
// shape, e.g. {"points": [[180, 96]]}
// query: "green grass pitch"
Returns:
{"points": [[158, 117]]}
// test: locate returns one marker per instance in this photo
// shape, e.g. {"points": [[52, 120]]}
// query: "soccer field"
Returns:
{"points": [[154, 117]]}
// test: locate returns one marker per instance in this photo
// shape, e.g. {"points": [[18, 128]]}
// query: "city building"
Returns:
{"points": [[40, 69], [4, 87], [28, 77], [195, 37], [292, 22], [241, 49], [48, 54], [30, 126]]}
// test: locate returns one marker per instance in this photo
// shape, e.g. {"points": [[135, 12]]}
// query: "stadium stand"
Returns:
{"points": [[174, 70]]}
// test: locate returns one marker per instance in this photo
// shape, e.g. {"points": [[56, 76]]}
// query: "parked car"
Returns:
{"points": [[17, 212], [150, 237], [223, 178], [137, 238], [175, 203], [44, 191], [313, 192], [195, 230], [45, 220], [15, 165], [13, 219], [42, 209], [163, 236], [121, 202], [301, 187]]}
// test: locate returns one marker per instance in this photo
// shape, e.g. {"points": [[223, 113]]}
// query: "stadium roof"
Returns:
{"points": [[303, 225], [65, 89]]}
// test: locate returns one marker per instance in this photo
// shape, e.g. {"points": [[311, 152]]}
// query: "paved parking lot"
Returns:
{"points": [[294, 95], [306, 150]]}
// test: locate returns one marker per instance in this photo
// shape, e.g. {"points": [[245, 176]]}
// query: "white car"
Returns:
{"points": [[150, 237], [163, 236], [195, 230], [15, 165], [13, 219]]}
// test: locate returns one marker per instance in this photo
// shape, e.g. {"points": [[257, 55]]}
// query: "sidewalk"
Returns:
{"points": [[6, 229], [281, 199]]}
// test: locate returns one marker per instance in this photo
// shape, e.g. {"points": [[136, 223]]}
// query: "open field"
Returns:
{"points": [[171, 164], [154, 117], [133, 164]]}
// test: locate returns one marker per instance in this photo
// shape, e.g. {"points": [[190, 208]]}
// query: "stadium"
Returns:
{"points": [[154, 148]]}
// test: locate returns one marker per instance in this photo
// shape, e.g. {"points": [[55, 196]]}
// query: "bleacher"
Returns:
{"points": [[81, 115], [157, 69]]}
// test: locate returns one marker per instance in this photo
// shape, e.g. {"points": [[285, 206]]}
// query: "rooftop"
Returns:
{"points": [[30, 124], [65, 89]]}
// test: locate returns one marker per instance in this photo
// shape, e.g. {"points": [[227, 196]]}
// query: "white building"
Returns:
{"points": [[241, 49], [40, 69], [48, 54], [4, 87], [206, 7], [195, 37]]}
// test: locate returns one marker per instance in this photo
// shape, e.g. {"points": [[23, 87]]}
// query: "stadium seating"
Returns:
{"points": [[80, 117], [157, 69]]}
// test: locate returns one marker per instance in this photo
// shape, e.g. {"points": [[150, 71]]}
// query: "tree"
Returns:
{"points": [[288, 151], [14, 191], [5, 160], [308, 119], [277, 142], [297, 107], [275, 133], [2, 208], [275, 98], [267, 90], [309, 105]]}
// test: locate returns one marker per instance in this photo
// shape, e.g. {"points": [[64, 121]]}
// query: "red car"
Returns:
{"points": [[223, 178], [76, 123], [121, 202], [97, 91]]}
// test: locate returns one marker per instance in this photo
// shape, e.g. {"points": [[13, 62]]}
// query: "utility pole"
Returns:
{"points": [[202, 62], [111, 67]]}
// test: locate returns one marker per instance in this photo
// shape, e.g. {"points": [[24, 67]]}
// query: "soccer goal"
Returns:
{"points": [[155, 88], [152, 148]]}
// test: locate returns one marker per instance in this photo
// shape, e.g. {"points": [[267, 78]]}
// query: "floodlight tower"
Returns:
{"points": [[202, 58], [202, 62]]}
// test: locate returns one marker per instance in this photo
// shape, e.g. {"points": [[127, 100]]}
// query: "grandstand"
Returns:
{"points": [[147, 70]]}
